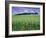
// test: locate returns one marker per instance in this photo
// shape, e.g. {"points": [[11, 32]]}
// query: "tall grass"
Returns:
{"points": [[25, 22]]}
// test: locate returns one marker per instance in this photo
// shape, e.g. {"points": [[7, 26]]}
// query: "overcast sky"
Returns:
{"points": [[18, 10]]}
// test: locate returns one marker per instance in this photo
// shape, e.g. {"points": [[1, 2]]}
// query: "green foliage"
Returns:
{"points": [[25, 23]]}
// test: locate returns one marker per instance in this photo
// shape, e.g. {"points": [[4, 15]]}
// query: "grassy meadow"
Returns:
{"points": [[25, 22]]}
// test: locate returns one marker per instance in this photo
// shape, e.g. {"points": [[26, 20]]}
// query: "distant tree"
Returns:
{"points": [[36, 13]]}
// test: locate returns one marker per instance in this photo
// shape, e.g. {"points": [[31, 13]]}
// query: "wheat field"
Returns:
{"points": [[25, 22]]}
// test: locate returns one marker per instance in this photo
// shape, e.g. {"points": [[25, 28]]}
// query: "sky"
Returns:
{"points": [[18, 10]]}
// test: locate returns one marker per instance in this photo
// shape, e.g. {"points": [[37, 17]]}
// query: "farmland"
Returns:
{"points": [[25, 22]]}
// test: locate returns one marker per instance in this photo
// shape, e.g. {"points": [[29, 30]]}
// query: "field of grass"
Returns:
{"points": [[25, 22]]}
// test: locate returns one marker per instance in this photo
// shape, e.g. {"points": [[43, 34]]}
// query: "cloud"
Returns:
{"points": [[17, 10]]}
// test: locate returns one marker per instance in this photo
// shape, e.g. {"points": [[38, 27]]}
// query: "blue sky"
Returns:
{"points": [[18, 10]]}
